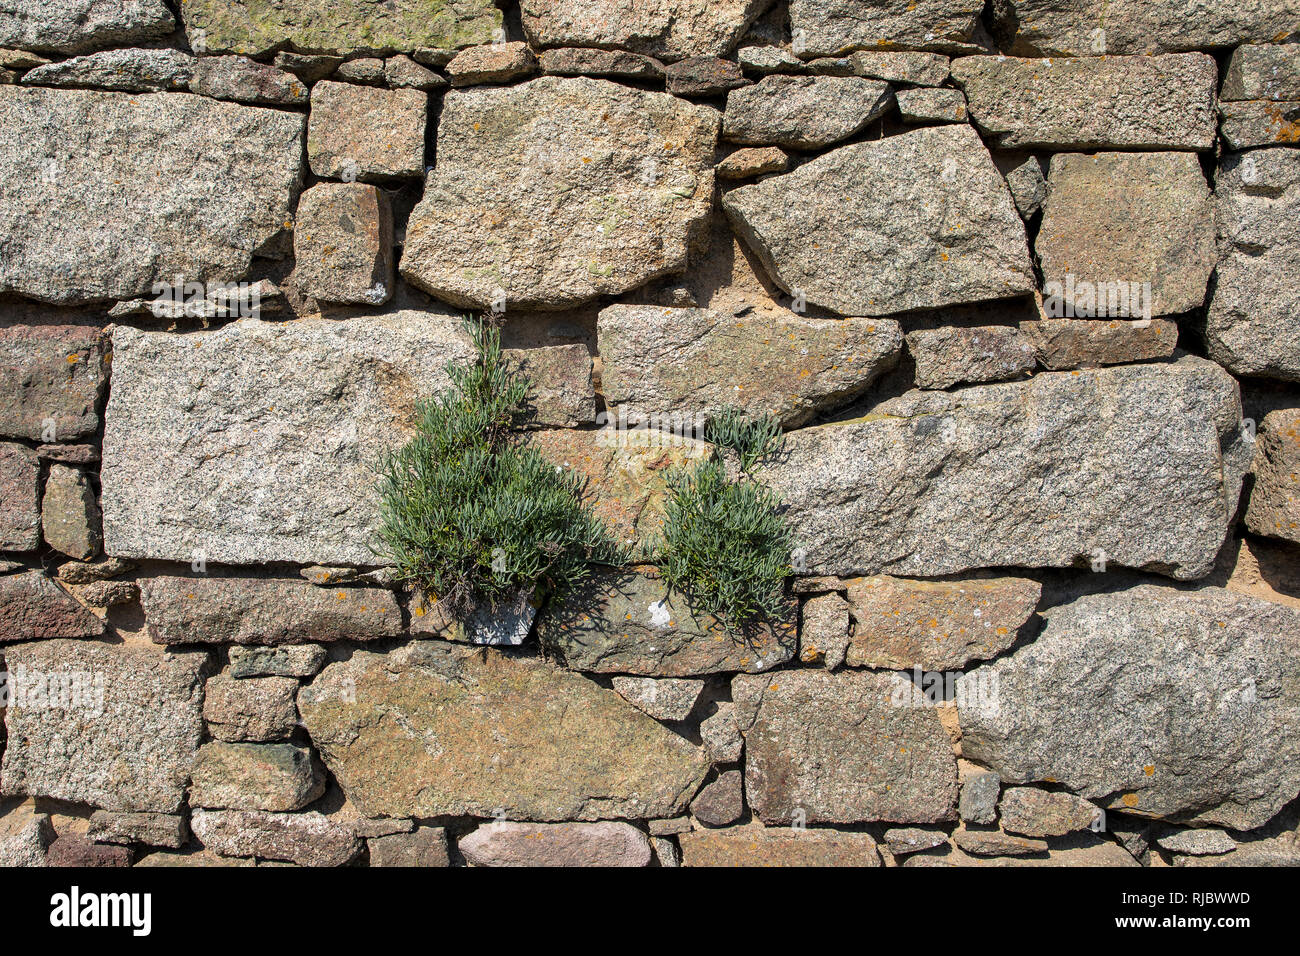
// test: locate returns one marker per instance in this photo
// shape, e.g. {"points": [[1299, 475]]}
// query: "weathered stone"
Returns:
{"points": [[307, 839], [558, 190], [1028, 186], [806, 755], [427, 846], [34, 607], [721, 734], [276, 777], [525, 717], [777, 846], [71, 26], [358, 132], [152, 829], [283, 425], [24, 834], [940, 105], [902, 257], [306, 66], [722, 801], [366, 70], [669, 30], [1078, 850], [1274, 508], [256, 27], [556, 844], [1031, 812], [824, 631], [901, 841], [1110, 700], [74, 850], [1247, 125], [824, 28], [1198, 842], [703, 76], [751, 161], [70, 514], [86, 572], [1250, 327], [76, 155], [51, 381], [623, 472], [1263, 72], [1132, 102], [108, 593], [668, 698], [301, 660], [327, 577], [343, 243], [20, 509], [208, 610], [920, 69], [130, 71], [69, 454], [115, 726], [1277, 851], [688, 364], [492, 63], [246, 81], [768, 59], [1084, 343], [951, 355], [251, 709], [627, 622], [1138, 465], [619, 64], [561, 393], [401, 72], [997, 843], [979, 798], [1100, 246], [803, 112], [505, 623], [1085, 28], [666, 852], [202, 858]]}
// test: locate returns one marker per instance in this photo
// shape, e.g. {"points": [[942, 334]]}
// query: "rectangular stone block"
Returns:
{"points": [[51, 380]]}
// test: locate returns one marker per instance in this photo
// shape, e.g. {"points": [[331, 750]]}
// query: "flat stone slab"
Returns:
{"points": [[778, 846], [1080, 343], [608, 843], [52, 379], [20, 505], [74, 26], [822, 28], [1262, 72], [668, 29], [803, 112], [32, 607]]}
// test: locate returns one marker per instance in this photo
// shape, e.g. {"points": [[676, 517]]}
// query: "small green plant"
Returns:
{"points": [[726, 544], [468, 512]]}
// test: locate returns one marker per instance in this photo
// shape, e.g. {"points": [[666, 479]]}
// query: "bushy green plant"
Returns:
{"points": [[470, 513], [752, 438]]}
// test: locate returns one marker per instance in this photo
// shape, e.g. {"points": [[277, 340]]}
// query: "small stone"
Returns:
{"points": [[1274, 508], [777, 846], [24, 834], [824, 631], [670, 827], [608, 843], [721, 734], [101, 569], [979, 798], [997, 843], [901, 841], [1198, 842], [751, 161], [152, 829], [131, 71], [666, 852], [670, 30], [20, 60], [69, 454], [74, 850], [346, 140], [366, 70], [250, 708], [803, 112], [437, 57], [333, 576], [1263, 72], [932, 105], [617, 64], [308, 67], [246, 81], [70, 519], [1277, 851], [768, 59], [275, 777], [20, 509], [827, 29], [668, 698], [343, 244], [507, 623], [919, 69], [703, 76], [1088, 343], [721, 802], [108, 593], [1250, 124], [33, 607], [949, 355], [302, 660], [561, 394], [401, 72], [1028, 186], [492, 63], [307, 839], [426, 846], [1030, 812]]}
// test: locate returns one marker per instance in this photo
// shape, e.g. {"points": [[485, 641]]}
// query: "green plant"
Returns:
{"points": [[470, 513], [752, 438]]}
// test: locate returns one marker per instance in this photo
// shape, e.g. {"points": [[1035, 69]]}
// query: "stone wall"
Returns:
{"points": [[1017, 278]]}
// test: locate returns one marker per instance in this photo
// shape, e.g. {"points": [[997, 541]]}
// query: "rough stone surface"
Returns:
{"points": [[721, 802], [768, 59], [24, 835], [427, 846], [1083, 343], [507, 623], [552, 192], [359, 132], [1030, 812], [307, 66], [1028, 186], [627, 622], [691, 363], [936, 625], [721, 734], [751, 161], [204, 858], [923, 105], [564, 748], [75, 851], [130, 71], [777, 846], [256, 27], [1008, 475], [251, 708], [825, 28], [920, 69], [1274, 508], [20, 508], [608, 843], [51, 372], [561, 393], [72, 26], [301, 660], [246, 81], [1139, 744], [668, 698], [70, 514], [950, 355], [1156, 227], [805, 752], [366, 70], [402, 72], [492, 63], [34, 607], [997, 843], [152, 829], [824, 630], [208, 610], [1131, 102], [343, 243], [1263, 72], [105, 594], [703, 76], [125, 735], [283, 425], [1255, 123], [115, 205], [879, 248], [803, 112], [1198, 842], [668, 30], [1251, 328], [979, 798], [901, 841], [240, 776], [576, 61], [307, 839], [86, 572]]}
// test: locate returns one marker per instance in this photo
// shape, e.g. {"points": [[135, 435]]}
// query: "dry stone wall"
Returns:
{"points": [[1018, 278]]}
